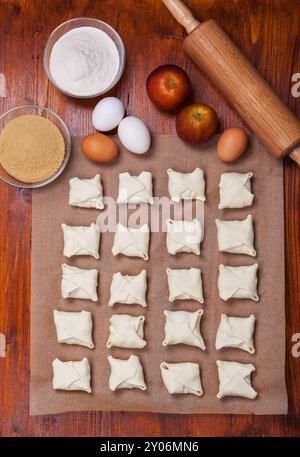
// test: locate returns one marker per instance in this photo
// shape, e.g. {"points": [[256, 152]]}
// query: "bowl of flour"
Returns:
{"points": [[84, 57]]}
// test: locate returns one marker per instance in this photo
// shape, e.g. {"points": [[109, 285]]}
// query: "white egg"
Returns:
{"points": [[134, 135], [107, 114]]}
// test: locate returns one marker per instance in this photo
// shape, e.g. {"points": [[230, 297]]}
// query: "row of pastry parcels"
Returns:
{"points": [[235, 189], [181, 327], [178, 378], [184, 284], [236, 237]]}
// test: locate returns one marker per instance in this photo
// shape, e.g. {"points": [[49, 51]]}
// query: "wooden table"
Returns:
{"points": [[269, 32]]}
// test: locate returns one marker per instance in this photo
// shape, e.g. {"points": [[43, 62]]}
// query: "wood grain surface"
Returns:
{"points": [[269, 32]]}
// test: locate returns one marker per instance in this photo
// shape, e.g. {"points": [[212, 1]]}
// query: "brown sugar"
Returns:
{"points": [[31, 148]]}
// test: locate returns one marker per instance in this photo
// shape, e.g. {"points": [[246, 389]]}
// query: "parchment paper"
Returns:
{"points": [[50, 209]]}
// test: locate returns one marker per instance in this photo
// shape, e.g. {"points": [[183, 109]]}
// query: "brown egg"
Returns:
{"points": [[99, 147], [232, 144]]}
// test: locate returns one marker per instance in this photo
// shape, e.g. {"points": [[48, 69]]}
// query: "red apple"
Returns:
{"points": [[196, 123], [168, 87]]}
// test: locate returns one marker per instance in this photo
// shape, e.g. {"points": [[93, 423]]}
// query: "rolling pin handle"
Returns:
{"points": [[295, 155], [182, 14]]}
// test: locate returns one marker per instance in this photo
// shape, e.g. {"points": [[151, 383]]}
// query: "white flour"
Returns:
{"points": [[84, 61]]}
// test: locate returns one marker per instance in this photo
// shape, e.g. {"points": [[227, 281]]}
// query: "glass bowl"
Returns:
{"points": [[84, 22], [51, 116]]}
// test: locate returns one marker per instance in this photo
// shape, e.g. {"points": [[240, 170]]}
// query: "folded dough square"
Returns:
{"points": [[72, 375], [235, 190], [86, 193], [135, 189], [126, 374], [235, 379], [184, 236], [236, 237], [126, 331], [79, 283], [128, 290], [238, 282], [183, 327], [186, 186], [132, 242], [236, 332], [74, 327], [182, 378], [185, 284], [79, 240]]}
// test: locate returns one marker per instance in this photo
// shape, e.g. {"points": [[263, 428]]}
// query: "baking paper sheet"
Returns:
{"points": [[50, 209]]}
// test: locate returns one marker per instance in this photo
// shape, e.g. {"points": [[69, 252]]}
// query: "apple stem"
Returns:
{"points": [[171, 84], [198, 116]]}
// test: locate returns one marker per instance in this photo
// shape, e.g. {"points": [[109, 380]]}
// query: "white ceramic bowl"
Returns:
{"points": [[84, 22]]}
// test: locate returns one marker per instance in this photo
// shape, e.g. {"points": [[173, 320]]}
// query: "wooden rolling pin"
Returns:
{"points": [[244, 88]]}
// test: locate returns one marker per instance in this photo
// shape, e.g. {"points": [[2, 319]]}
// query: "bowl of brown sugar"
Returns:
{"points": [[35, 146]]}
